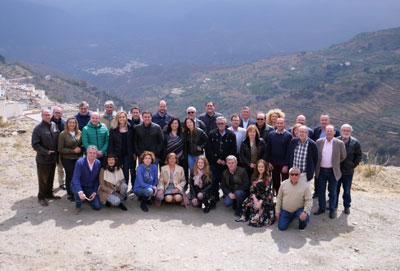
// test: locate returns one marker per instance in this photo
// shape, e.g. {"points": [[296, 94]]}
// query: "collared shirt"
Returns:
{"points": [[322, 135], [223, 133], [245, 123], [326, 160], [90, 164], [300, 156], [240, 134]]}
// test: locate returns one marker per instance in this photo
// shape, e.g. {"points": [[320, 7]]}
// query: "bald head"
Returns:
{"points": [[301, 119]]}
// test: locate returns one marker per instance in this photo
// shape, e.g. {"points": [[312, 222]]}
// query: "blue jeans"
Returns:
{"points": [[287, 217], [144, 192], [326, 175], [192, 161], [240, 195], [346, 181], [95, 203]]}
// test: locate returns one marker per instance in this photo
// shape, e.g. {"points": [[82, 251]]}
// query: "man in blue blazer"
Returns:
{"points": [[319, 131]]}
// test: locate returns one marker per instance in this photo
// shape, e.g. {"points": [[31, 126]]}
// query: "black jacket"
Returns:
{"points": [[240, 179], [162, 121], [194, 189], [353, 157], [60, 124], [148, 138], [264, 131], [210, 122], [194, 141], [219, 147], [134, 123], [45, 139], [115, 143], [317, 133], [245, 152]]}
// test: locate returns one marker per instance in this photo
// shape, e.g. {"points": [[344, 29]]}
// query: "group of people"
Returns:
{"points": [[262, 169]]}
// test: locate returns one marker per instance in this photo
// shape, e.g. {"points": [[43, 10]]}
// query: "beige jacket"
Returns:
{"points": [[178, 178], [106, 121], [338, 155], [106, 188]]}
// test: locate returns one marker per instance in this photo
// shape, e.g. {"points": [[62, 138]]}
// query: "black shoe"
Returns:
{"points": [[63, 187], [122, 207], [144, 207], [332, 214], [71, 198], [319, 211], [207, 209], [347, 210], [108, 204], [149, 202], [315, 195]]}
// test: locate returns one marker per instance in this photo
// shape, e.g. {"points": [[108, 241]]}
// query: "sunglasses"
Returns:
{"points": [[294, 174], [221, 123], [260, 119], [191, 112]]}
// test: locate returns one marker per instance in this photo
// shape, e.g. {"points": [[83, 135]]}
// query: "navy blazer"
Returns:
{"points": [[318, 130], [312, 156], [251, 122]]}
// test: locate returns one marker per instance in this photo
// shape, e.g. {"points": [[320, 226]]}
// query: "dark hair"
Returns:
{"points": [[266, 177], [209, 102], [169, 128], [111, 155], [135, 107], [235, 116], [186, 130], [147, 112]]}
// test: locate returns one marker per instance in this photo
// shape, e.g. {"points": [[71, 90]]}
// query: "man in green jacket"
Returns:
{"points": [[95, 133]]}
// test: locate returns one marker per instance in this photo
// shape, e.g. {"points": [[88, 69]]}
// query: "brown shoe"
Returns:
{"points": [[77, 211], [54, 197], [43, 202]]}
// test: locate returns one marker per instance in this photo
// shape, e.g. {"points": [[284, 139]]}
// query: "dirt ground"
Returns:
{"points": [[171, 237]]}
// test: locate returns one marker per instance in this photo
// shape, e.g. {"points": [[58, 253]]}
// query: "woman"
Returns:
{"points": [[273, 115], [120, 142], [70, 149], [195, 141], [112, 183], [295, 129], [252, 149], [258, 208], [173, 139], [200, 185], [172, 181], [145, 186]]}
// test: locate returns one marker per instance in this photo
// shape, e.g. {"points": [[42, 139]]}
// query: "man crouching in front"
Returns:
{"points": [[85, 182], [294, 200]]}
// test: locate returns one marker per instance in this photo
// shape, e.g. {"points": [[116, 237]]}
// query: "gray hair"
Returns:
{"points": [[221, 118], [245, 107], [231, 157], [192, 108], [109, 103], [294, 169], [346, 125], [92, 147], [83, 103]]}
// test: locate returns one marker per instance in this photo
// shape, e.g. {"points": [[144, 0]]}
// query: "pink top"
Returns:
{"points": [[326, 160]]}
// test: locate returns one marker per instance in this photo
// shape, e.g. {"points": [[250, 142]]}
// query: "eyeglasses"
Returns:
{"points": [[191, 112], [294, 174], [260, 119]]}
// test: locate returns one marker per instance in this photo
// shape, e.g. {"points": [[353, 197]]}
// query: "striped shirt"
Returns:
{"points": [[300, 156]]}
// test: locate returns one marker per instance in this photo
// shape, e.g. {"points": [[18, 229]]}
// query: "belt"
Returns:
{"points": [[327, 168]]}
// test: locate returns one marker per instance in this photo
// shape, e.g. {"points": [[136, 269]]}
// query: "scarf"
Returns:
{"points": [[147, 175], [197, 178]]}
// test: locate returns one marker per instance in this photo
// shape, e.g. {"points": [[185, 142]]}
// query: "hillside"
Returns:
{"points": [[58, 86]]}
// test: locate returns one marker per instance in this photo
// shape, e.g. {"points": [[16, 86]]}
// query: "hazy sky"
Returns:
{"points": [[84, 33]]}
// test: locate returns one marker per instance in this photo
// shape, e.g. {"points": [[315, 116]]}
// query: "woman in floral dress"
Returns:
{"points": [[258, 208]]}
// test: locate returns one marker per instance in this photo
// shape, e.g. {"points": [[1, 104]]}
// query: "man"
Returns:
{"points": [[191, 114], [246, 121], [235, 185], [221, 144], [210, 117], [44, 142], [263, 127], [148, 137], [239, 132], [83, 115], [353, 158], [331, 152], [56, 118], [85, 182], [96, 134], [136, 119], [303, 121], [319, 131], [109, 114], [277, 149], [294, 200], [162, 118], [303, 154]]}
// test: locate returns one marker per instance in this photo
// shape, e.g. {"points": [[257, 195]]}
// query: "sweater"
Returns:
{"points": [[293, 197], [83, 177], [278, 146], [95, 135], [140, 182], [83, 120]]}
